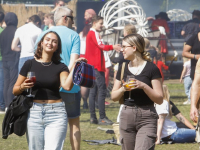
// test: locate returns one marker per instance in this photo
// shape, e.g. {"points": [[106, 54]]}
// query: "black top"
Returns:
{"points": [[149, 73], [47, 78], [195, 44], [175, 110], [192, 27]]}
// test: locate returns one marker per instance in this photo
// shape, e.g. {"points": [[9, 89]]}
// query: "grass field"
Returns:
{"points": [[90, 132]]}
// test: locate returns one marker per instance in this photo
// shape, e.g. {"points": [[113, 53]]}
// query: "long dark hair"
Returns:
{"points": [[56, 55]]}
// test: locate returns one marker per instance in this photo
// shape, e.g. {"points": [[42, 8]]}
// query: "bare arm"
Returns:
{"points": [[67, 78], [21, 84], [195, 97], [160, 126], [117, 91], [14, 45], [182, 119], [183, 33], [73, 59], [183, 74], [155, 93]]}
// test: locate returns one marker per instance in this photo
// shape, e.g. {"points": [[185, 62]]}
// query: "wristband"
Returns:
{"points": [[194, 56]]}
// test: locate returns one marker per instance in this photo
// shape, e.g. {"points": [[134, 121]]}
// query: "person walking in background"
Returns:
{"points": [[161, 20], [95, 57], [63, 19], [191, 50], [89, 14], [160, 64], [138, 118], [187, 80], [2, 103], [192, 27], [10, 59], [26, 35], [48, 21], [167, 130], [58, 3]]}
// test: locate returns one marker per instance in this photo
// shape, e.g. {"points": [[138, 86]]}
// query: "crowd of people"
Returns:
{"points": [[49, 46]]}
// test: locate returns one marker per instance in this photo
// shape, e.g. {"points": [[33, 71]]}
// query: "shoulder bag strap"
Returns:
{"points": [[122, 70]]}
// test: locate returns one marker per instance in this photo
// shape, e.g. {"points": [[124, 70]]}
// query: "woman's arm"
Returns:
{"points": [[155, 93], [182, 119], [117, 91], [183, 74], [195, 97], [22, 84], [15, 43], [66, 78], [160, 126]]}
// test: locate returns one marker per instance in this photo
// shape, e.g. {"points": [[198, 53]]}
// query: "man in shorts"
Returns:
{"points": [[70, 52]]}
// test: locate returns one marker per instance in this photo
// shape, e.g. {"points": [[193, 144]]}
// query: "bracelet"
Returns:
{"points": [[20, 88], [194, 56]]}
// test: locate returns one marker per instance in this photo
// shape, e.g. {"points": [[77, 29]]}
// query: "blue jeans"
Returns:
{"points": [[183, 135], [187, 85], [22, 61], [2, 104], [47, 126], [72, 104]]}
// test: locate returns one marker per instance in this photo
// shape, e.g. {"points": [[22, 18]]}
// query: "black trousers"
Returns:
{"points": [[100, 89], [10, 73]]}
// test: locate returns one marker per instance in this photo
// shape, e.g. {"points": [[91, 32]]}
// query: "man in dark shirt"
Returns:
{"points": [[192, 26]]}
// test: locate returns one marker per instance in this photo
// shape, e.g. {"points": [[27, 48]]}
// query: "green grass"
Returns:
{"points": [[90, 132]]}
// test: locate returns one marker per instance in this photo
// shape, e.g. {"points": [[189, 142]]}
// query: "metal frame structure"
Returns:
{"points": [[117, 13]]}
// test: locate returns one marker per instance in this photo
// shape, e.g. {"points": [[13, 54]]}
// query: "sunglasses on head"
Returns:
{"points": [[71, 17]]}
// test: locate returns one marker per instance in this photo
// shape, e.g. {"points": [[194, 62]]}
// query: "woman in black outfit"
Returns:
{"points": [[47, 121], [138, 119]]}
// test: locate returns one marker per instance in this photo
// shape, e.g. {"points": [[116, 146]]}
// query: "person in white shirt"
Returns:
{"points": [[26, 35], [187, 80], [167, 130]]}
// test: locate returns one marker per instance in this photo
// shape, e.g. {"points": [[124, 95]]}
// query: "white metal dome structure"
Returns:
{"points": [[179, 15], [117, 13]]}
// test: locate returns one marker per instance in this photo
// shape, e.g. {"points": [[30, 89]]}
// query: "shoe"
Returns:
{"points": [[187, 102], [105, 121], [93, 121], [107, 103]]}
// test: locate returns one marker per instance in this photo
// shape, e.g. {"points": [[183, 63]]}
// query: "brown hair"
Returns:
{"points": [[56, 56], [166, 96], [96, 19], [36, 20], [147, 43], [138, 41], [130, 29], [49, 15]]}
